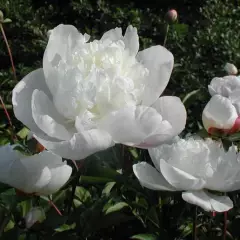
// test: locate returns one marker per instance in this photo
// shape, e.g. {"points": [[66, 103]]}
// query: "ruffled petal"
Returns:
{"points": [[150, 178], [159, 61], [22, 95], [208, 201], [47, 117], [113, 35], [59, 176], [131, 40], [180, 179], [80, 146], [63, 39], [134, 124]]}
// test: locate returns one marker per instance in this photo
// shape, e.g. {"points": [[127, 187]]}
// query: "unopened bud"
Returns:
{"points": [[1, 17], [230, 69], [33, 216], [171, 16]]}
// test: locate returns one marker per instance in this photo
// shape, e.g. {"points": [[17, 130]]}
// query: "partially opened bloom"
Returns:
{"points": [[91, 95], [193, 166], [223, 110], [41, 174]]}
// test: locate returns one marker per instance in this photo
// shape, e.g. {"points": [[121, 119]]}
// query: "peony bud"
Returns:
{"points": [[171, 16], [230, 69], [34, 215]]}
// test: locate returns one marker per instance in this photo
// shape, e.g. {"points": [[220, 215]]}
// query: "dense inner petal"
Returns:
{"points": [[96, 78]]}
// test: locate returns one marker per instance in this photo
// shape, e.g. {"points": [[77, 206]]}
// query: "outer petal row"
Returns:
{"points": [[172, 179], [33, 174]]}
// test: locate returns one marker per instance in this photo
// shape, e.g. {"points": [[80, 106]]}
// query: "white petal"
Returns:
{"points": [[224, 86], [208, 201], [59, 176], [132, 125], [172, 110], [63, 39], [113, 35], [47, 117], [29, 174], [150, 178], [81, 145], [219, 113], [7, 158], [159, 61], [180, 179], [131, 40], [22, 95]]}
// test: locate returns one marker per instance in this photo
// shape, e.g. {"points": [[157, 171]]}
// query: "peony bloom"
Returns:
{"points": [[193, 166], [230, 69], [91, 95], [223, 110], [41, 174]]}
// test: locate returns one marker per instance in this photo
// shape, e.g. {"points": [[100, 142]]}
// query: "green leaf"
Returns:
{"points": [[65, 227], [82, 194], [4, 141], [134, 152], [7, 20], [25, 206], [153, 217], [23, 133], [190, 97], [116, 207], [181, 29], [234, 137], [108, 187], [9, 226], [145, 236]]}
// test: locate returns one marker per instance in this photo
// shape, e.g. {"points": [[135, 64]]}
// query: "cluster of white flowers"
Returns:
{"points": [[91, 95]]}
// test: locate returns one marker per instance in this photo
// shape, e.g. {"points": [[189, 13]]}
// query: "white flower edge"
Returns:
{"points": [[150, 178], [41, 174]]}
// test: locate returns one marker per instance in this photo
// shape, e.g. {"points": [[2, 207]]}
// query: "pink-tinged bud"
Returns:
{"points": [[171, 16], [33, 216], [230, 69]]}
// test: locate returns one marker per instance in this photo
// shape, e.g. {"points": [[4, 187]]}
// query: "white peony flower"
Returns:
{"points": [[230, 69], [223, 110], [42, 174], [193, 166], [91, 95], [224, 86]]}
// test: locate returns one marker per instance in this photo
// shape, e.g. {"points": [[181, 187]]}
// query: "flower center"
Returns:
{"points": [[99, 77]]}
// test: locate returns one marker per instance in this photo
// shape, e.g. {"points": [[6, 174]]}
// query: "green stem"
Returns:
{"points": [[9, 51], [8, 118], [166, 35], [195, 223]]}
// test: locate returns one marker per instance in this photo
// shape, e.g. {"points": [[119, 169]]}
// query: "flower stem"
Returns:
{"points": [[166, 35], [75, 183], [8, 118], [9, 51], [55, 207], [195, 223], [225, 226]]}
